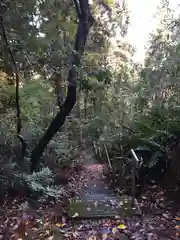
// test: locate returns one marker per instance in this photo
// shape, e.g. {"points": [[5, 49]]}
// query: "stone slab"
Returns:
{"points": [[104, 207]]}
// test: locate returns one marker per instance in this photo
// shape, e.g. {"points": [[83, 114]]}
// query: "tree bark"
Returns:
{"points": [[85, 22], [58, 86], [85, 103], [60, 93], [79, 114]]}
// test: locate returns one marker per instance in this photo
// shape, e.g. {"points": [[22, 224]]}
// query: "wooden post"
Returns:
{"points": [[135, 161], [109, 161]]}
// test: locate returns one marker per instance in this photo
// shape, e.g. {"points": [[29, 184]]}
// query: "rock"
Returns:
{"points": [[101, 206], [121, 236]]}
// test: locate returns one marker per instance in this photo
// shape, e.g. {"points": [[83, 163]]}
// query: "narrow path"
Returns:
{"points": [[96, 204], [96, 200], [154, 225], [95, 179]]}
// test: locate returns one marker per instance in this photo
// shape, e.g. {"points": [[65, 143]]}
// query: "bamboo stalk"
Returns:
{"points": [[95, 148], [109, 161]]}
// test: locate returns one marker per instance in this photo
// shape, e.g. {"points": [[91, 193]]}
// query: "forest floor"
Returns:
{"points": [[160, 220]]}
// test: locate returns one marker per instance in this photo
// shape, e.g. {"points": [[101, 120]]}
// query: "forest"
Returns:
{"points": [[74, 105]]}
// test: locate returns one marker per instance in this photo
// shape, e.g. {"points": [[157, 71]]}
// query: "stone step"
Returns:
{"points": [[106, 207], [98, 196]]}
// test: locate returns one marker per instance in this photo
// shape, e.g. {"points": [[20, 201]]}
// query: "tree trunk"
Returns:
{"points": [[85, 104], [79, 114], [57, 79], [94, 107], [58, 85], [85, 22]]}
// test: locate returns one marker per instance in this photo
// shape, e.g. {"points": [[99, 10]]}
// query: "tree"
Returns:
{"points": [[45, 51], [85, 22]]}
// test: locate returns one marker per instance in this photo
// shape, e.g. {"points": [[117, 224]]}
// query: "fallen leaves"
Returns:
{"points": [[60, 225], [75, 215], [121, 226], [20, 229], [154, 225]]}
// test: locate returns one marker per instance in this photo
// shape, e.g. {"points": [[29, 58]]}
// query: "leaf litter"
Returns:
{"points": [[159, 221]]}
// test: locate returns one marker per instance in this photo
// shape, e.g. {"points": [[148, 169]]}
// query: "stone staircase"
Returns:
{"points": [[97, 201], [95, 207]]}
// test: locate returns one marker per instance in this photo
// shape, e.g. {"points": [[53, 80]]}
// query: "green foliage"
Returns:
{"points": [[42, 182], [31, 185], [142, 106], [36, 104], [120, 104], [37, 108]]}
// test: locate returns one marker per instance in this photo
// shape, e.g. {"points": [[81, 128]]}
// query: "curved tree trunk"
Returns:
{"points": [[58, 82], [60, 93], [85, 22]]}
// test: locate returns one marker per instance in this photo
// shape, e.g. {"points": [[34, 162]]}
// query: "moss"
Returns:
{"points": [[109, 207]]}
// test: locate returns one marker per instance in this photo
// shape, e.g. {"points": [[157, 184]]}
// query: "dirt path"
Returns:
{"points": [[95, 180], [161, 219], [158, 221]]}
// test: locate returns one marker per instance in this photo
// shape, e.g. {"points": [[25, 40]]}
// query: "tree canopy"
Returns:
{"points": [[79, 87]]}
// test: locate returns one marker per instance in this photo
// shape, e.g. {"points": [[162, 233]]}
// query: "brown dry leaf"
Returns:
{"points": [[20, 231], [104, 236], [75, 215], [144, 197], [60, 224], [6, 230], [92, 238], [75, 234]]}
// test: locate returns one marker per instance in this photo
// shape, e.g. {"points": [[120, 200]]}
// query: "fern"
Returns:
{"points": [[43, 182], [155, 158]]}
